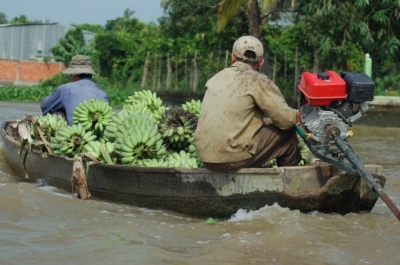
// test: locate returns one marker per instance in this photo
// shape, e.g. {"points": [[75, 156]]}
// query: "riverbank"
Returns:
{"points": [[385, 102], [384, 111]]}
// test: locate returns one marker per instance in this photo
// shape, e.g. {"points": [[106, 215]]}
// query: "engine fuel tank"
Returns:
{"points": [[320, 89]]}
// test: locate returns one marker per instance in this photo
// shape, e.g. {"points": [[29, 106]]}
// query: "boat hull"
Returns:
{"points": [[202, 193]]}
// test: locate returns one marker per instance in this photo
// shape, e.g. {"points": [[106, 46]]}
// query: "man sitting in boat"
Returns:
{"points": [[66, 97], [231, 133]]}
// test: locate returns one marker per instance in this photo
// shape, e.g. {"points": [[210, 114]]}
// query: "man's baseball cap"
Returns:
{"points": [[80, 64], [248, 43]]}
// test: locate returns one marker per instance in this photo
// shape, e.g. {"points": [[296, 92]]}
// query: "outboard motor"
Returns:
{"points": [[329, 104], [333, 101]]}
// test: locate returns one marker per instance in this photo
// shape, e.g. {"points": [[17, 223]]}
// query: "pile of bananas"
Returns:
{"points": [[182, 159], [94, 115], [110, 132], [191, 150], [152, 101], [194, 106], [104, 152], [48, 124], [143, 133], [70, 140], [140, 106], [177, 127], [174, 159], [304, 151], [153, 162], [137, 138]]}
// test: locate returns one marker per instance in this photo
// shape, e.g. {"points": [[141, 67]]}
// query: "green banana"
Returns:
{"points": [[128, 160]]}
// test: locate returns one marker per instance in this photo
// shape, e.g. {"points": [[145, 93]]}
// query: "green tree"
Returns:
{"points": [[121, 49], [95, 28], [187, 17], [72, 44], [19, 20], [342, 32], [191, 30], [127, 23], [193, 25], [257, 13], [22, 19], [3, 18], [282, 43]]}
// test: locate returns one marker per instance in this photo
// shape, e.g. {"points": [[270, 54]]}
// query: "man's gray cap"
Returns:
{"points": [[80, 64], [248, 43]]}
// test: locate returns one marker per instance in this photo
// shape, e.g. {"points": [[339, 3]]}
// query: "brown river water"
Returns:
{"points": [[40, 224]]}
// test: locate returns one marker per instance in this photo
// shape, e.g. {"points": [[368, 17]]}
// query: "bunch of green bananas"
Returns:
{"points": [[271, 163], [152, 101], [104, 152], [140, 106], [182, 159], [304, 151], [110, 131], [177, 127], [153, 162], [194, 106], [192, 151], [94, 115], [70, 140], [49, 124], [138, 138]]}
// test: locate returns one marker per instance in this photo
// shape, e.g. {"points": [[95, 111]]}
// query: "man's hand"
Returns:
{"points": [[299, 117]]}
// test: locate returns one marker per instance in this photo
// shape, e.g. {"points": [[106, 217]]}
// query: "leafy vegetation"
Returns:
{"points": [[116, 93], [3, 18], [24, 93], [55, 80], [22, 19], [303, 35], [72, 44]]}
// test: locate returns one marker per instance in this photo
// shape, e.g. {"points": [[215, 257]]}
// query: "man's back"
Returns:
{"points": [[68, 96], [229, 117], [231, 133]]}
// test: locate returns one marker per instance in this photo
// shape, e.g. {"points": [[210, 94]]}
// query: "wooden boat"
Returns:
{"points": [[202, 193]]}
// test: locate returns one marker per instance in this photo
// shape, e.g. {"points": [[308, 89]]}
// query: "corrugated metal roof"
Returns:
{"points": [[32, 41]]}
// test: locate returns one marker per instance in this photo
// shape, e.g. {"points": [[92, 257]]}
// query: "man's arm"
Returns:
{"points": [[52, 102], [271, 101]]}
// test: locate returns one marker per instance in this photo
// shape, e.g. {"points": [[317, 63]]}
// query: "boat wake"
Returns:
{"points": [[267, 211]]}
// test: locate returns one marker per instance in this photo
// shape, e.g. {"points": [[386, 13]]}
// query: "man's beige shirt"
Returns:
{"points": [[232, 112]]}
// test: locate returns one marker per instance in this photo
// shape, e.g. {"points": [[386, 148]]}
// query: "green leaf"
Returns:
{"points": [[380, 16], [381, 32], [362, 3]]}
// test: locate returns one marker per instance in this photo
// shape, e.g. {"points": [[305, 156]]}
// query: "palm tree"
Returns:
{"points": [[257, 12]]}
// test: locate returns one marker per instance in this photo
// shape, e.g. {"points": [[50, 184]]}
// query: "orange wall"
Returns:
{"points": [[8, 70], [28, 71]]}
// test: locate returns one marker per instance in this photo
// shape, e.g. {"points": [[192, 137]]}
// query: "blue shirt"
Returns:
{"points": [[68, 96]]}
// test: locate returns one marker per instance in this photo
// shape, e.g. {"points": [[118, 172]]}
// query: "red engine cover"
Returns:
{"points": [[321, 92]]}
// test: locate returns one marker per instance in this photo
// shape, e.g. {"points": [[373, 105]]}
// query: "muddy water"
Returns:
{"points": [[40, 224]]}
